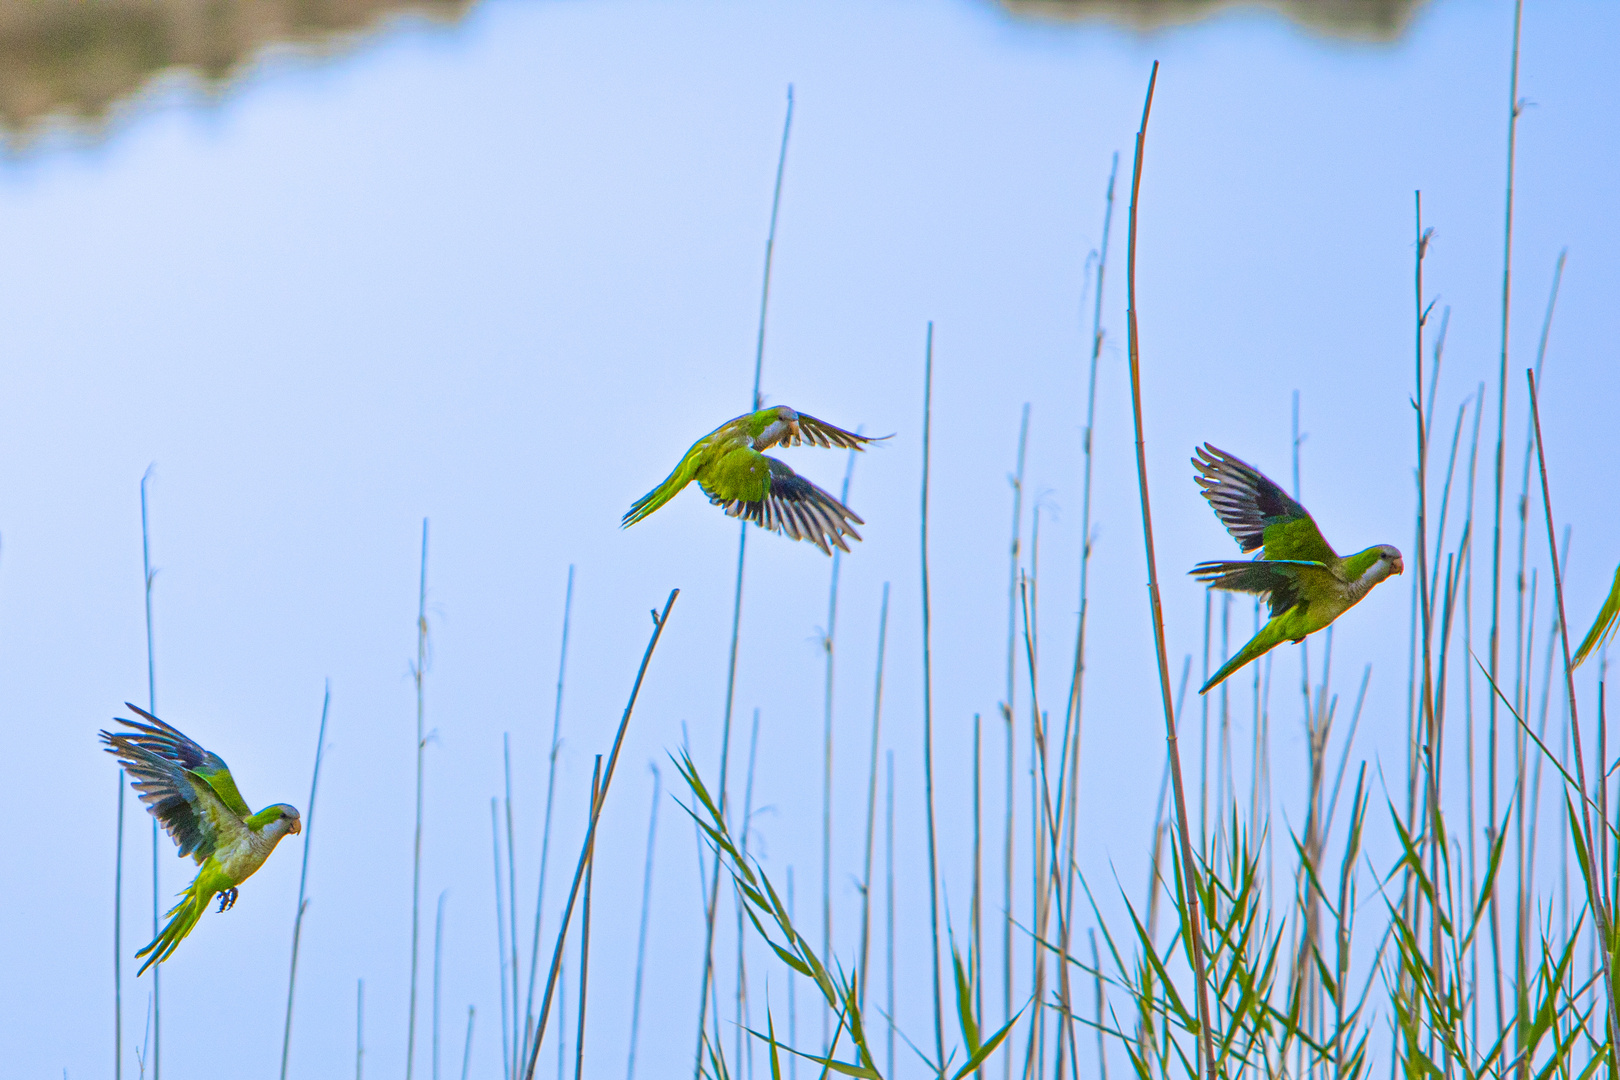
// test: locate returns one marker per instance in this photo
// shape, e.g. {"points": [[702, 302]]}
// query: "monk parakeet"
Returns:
{"points": [[733, 473], [191, 793], [1308, 586], [1607, 617]]}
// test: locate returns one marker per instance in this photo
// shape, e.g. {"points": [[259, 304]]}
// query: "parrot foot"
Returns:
{"points": [[227, 899]]}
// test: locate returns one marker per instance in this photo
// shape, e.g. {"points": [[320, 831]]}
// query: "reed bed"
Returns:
{"points": [[1356, 933]]}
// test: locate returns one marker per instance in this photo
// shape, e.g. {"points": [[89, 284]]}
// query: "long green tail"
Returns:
{"points": [[1270, 636], [182, 917]]}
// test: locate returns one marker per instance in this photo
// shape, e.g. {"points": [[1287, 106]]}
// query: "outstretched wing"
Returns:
{"points": [[188, 789], [793, 506], [1279, 580], [813, 432], [1257, 512]]}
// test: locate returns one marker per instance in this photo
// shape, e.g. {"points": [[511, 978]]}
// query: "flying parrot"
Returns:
{"points": [[1308, 586], [728, 465], [1607, 617], [190, 792]]}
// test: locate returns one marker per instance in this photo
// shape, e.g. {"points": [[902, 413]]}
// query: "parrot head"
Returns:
{"points": [[776, 424], [1391, 554]]}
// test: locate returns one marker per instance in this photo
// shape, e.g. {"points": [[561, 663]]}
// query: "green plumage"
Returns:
{"points": [[729, 466], [1306, 584], [191, 793]]}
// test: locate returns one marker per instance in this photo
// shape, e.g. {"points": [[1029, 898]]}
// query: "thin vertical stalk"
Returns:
{"points": [[641, 935], [1096, 971], [742, 966], [551, 791], [507, 1019], [1426, 601], [585, 931], [303, 878], [660, 620], [118, 938], [871, 797], [1008, 848], [928, 705], [976, 898], [827, 643], [518, 1025], [1075, 707], [1597, 895], [359, 1027], [1501, 435], [888, 873], [151, 707], [793, 1000], [416, 850], [736, 604], [438, 973], [466, 1045], [1188, 866]]}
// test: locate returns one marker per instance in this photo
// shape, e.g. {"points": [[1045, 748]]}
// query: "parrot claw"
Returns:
{"points": [[227, 899]]}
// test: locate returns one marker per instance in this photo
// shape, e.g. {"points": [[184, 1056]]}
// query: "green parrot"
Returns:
{"points": [[1307, 585], [1607, 617], [733, 473], [190, 792]]}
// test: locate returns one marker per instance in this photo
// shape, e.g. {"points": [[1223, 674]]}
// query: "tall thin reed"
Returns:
{"points": [[1188, 866], [359, 1027], [1501, 442], [118, 937], [438, 973], [871, 797], [507, 1019], [1597, 897], [827, 642], [147, 574], [466, 1045], [660, 620], [646, 909], [511, 898], [888, 873], [551, 791], [585, 931], [747, 823], [736, 604], [416, 849], [928, 705], [303, 877], [1007, 847]]}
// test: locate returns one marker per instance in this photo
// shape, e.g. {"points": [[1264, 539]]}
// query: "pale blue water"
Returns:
{"points": [[501, 274]]}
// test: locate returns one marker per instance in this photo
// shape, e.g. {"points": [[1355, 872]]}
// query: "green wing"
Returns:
{"points": [[1285, 582], [188, 789], [1608, 618], [761, 489], [1257, 512], [813, 432]]}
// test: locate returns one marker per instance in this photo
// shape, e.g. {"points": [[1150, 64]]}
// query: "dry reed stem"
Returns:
{"points": [[1189, 867], [147, 574], [660, 620], [416, 850], [545, 828], [641, 936], [1596, 843], [303, 877], [585, 930], [928, 706]]}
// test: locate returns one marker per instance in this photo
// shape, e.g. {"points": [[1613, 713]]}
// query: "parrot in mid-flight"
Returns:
{"points": [[1307, 585], [728, 465], [190, 792]]}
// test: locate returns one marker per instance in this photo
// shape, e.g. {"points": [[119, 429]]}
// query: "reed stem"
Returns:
{"points": [[1188, 865], [303, 878]]}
